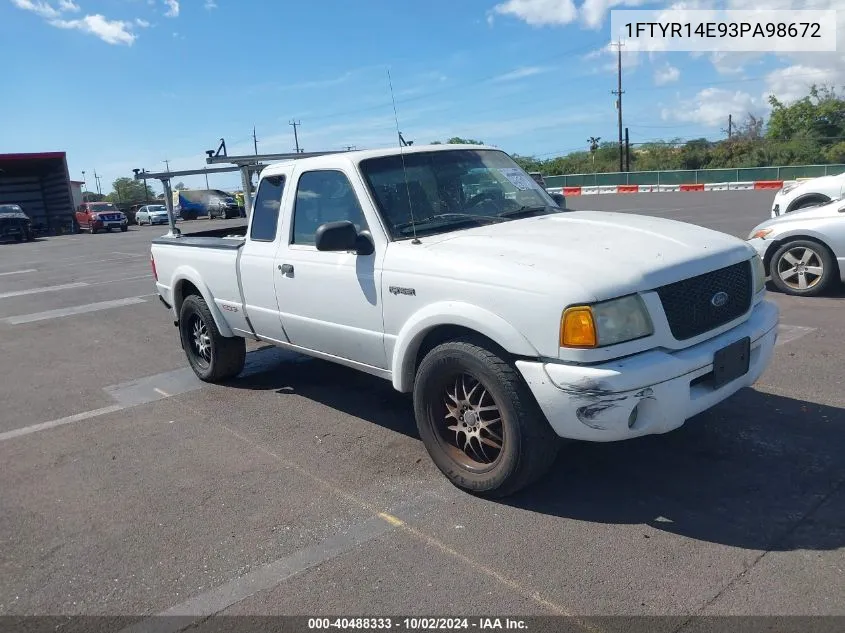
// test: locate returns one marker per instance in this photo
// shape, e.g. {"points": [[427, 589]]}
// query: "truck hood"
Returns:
{"points": [[796, 218], [607, 254], [15, 215]]}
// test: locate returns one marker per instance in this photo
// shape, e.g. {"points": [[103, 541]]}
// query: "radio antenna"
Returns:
{"points": [[402, 156]]}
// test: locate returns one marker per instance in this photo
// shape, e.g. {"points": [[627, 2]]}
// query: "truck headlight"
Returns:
{"points": [[759, 272], [605, 323]]}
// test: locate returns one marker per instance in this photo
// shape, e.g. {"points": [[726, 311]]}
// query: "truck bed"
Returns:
{"points": [[227, 238]]}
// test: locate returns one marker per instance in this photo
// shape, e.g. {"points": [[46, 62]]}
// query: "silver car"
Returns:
{"points": [[152, 214], [804, 251]]}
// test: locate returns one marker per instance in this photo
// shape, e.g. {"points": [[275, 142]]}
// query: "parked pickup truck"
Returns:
{"points": [[511, 322]]}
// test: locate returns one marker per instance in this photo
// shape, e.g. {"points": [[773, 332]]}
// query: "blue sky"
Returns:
{"points": [[119, 84]]}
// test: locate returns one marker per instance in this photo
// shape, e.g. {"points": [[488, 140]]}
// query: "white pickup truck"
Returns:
{"points": [[448, 271]]}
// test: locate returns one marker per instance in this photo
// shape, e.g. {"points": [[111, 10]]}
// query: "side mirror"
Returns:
{"points": [[342, 236]]}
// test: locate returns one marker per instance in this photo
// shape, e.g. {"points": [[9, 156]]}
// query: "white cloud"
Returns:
{"points": [[521, 73], [593, 11], [38, 7], [793, 83], [210, 4], [539, 12], [711, 107], [172, 8], [666, 75], [142, 23], [110, 31]]}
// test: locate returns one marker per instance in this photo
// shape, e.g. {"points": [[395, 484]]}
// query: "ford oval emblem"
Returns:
{"points": [[719, 299]]}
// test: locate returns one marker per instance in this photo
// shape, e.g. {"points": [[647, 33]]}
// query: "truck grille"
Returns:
{"points": [[691, 305]]}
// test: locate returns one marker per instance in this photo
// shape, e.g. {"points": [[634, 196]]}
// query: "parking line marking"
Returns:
{"points": [[266, 577], [19, 272], [530, 594], [83, 309], [790, 333], [35, 291], [35, 428], [164, 393]]}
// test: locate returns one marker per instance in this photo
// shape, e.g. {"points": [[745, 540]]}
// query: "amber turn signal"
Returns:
{"points": [[577, 328]]}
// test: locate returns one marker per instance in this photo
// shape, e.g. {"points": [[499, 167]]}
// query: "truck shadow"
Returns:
{"points": [[347, 390], [750, 473], [746, 474]]}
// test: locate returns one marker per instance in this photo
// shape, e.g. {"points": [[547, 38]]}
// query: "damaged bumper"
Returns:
{"points": [[649, 393]]}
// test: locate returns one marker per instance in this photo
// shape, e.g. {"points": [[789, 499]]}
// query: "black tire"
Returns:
{"points": [[226, 356], [92, 230], [528, 445], [787, 275], [806, 203], [123, 229]]}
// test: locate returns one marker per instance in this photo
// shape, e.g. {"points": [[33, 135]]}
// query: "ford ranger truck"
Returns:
{"points": [[512, 322]]}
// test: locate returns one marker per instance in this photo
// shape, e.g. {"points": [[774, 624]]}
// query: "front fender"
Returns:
{"points": [[186, 273], [454, 313]]}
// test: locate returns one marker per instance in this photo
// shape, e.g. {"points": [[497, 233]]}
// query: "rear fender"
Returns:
{"points": [[185, 274]]}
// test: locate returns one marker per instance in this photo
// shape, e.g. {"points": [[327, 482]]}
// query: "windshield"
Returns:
{"points": [[448, 190], [10, 208], [105, 206], [157, 209]]}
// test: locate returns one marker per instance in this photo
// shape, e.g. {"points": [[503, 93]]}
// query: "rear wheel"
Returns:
{"points": [[803, 268], [479, 422], [212, 356]]}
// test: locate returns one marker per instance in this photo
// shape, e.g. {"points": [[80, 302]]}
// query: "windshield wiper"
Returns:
{"points": [[446, 220], [526, 210]]}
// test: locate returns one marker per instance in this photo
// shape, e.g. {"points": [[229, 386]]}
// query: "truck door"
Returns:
{"points": [[257, 259], [330, 301]]}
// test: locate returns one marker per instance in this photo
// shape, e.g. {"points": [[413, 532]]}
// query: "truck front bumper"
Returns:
{"points": [[649, 393]]}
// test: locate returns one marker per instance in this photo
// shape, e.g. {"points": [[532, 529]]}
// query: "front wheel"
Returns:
{"points": [[212, 356], [803, 268], [479, 422], [123, 229]]}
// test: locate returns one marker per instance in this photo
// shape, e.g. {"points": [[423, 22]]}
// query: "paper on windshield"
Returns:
{"points": [[517, 178]]}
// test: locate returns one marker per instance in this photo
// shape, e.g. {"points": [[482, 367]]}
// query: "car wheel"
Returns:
{"points": [[803, 268], [123, 229], [479, 422], [212, 356], [92, 230]]}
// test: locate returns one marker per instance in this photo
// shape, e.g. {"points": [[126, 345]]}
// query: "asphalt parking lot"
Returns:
{"points": [[130, 488]]}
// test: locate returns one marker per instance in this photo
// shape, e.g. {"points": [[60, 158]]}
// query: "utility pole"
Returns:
{"points": [[295, 135], [619, 92], [97, 180], [730, 125], [166, 162], [206, 177], [255, 140], [84, 186], [627, 152]]}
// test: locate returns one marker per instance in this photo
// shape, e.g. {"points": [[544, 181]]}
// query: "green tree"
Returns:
{"points": [[129, 191], [90, 196], [457, 140]]}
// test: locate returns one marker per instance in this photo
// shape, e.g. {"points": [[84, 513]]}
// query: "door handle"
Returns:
{"points": [[286, 269]]}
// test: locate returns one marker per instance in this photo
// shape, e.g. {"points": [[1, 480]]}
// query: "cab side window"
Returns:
{"points": [[324, 196], [265, 210]]}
